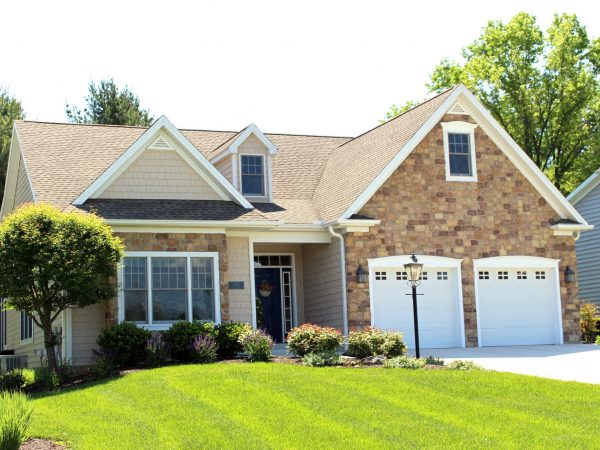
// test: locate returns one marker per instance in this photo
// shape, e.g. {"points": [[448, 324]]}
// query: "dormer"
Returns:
{"points": [[246, 160]]}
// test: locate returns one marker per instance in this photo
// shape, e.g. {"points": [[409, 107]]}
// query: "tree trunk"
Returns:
{"points": [[49, 343]]}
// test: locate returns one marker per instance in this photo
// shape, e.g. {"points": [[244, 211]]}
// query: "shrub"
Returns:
{"points": [[257, 345], [598, 340], [15, 415], [373, 341], [103, 365], [432, 361], [12, 381], [322, 359], [228, 338], [157, 350], [309, 338], [588, 315], [404, 362], [125, 342], [181, 336], [204, 349], [461, 364]]}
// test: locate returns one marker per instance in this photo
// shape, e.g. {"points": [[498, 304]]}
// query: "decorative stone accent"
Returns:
{"points": [[178, 242], [501, 214]]}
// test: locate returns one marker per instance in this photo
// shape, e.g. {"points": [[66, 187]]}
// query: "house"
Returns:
{"points": [[272, 229], [586, 199]]}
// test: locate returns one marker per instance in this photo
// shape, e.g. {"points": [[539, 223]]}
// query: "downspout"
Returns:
{"points": [[343, 271]]}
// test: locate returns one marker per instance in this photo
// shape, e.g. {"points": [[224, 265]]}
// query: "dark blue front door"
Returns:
{"points": [[271, 314]]}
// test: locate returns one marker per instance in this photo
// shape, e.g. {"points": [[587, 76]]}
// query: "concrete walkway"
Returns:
{"points": [[571, 362]]}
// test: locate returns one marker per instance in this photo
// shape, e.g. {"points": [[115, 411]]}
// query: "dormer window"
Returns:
{"points": [[253, 175], [459, 150]]}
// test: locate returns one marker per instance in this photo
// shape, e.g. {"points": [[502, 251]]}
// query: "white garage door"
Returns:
{"points": [[438, 307], [517, 306]]}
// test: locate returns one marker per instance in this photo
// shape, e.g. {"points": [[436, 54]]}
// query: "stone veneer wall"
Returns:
{"points": [[502, 214], [178, 242]]}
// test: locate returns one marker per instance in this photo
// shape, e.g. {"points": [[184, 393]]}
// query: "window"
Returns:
{"points": [[161, 288], [401, 276], [503, 275], [459, 150], [521, 275], [442, 275], [26, 326], [540, 274], [272, 260], [484, 275], [253, 175], [381, 276], [424, 276]]}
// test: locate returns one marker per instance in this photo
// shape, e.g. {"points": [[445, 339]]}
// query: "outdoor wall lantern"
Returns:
{"points": [[569, 275], [361, 275], [413, 270]]}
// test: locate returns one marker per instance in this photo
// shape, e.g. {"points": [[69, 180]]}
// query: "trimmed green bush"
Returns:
{"points": [[125, 343], [322, 359], [257, 345], [598, 340], [433, 361], [180, 338], [309, 338], [460, 364], [404, 362], [228, 338], [373, 341], [12, 381], [15, 415]]}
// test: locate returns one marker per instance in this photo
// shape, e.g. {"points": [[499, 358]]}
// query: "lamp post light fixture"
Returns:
{"points": [[413, 270], [569, 275], [361, 275]]}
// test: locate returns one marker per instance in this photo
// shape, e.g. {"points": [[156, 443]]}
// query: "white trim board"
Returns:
{"points": [[239, 140], [584, 188], [185, 149], [500, 137]]}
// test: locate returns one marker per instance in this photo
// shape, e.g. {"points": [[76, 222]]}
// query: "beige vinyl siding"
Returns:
{"points": [[26, 348], [160, 174], [588, 248], [23, 192], [238, 262], [254, 147], [86, 324], [322, 281], [225, 167], [297, 251]]}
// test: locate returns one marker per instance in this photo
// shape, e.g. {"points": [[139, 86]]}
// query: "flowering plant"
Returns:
{"points": [[309, 338]]}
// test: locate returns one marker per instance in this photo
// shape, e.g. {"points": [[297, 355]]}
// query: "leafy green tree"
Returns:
{"points": [[542, 87], [395, 110], [109, 105], [10, 110], [52, 260]]}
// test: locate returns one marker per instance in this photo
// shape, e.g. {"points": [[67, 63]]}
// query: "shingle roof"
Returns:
{"points": [[315, 178], [146, 209], [352, 166]]}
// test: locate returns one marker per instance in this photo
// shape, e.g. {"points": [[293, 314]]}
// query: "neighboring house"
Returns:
{"points": [[215, 221], [586, 199]]}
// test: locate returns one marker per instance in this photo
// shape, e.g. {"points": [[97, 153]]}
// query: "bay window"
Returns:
{"points": [[159, 288]]}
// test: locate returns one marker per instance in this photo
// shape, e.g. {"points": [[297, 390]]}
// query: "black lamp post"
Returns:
{"points": [[413, 269]]}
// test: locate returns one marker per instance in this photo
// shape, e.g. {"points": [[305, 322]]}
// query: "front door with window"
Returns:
{"points": [[268, 293]]}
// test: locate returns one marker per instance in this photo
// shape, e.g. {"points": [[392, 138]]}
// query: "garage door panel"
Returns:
{"points": [[439, 318], [517, 306]]}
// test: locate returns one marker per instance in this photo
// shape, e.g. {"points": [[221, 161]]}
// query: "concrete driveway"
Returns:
{"points": [[571, 362]]}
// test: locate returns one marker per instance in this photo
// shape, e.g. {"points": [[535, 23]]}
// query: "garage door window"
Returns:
{"points": [[380, 276], [442, 275], [484, 275], [502, 275], [521, 275], [540, 274]]}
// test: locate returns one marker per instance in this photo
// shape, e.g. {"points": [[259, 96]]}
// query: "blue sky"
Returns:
{"points": [[310, 67]]}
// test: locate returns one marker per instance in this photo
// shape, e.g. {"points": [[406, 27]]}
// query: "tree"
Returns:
{"points": [[10, 110], [395, 110], [108, 105], [543, 88], [52, 260]]}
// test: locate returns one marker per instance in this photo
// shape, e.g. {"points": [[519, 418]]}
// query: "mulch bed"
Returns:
{"points": [[40, 444]]}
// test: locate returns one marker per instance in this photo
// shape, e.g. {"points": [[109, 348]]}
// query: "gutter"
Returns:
{"points": [[343, 270]]}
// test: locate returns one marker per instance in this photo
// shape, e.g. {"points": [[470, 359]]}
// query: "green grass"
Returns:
{"points": [[284, 406]]}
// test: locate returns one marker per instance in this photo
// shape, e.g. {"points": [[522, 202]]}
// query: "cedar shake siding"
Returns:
{"points": [[500, 214], [23, 194]]}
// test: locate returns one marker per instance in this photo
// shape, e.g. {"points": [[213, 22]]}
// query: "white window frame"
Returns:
{"points": [[265, 175], [460, 128], [27, 317], [164, 326]]}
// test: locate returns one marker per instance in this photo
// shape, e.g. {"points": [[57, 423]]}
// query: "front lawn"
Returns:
{"points": [[286, 406]]}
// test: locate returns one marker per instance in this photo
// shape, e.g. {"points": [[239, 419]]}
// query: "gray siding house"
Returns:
{"points": [[586, 199]]}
